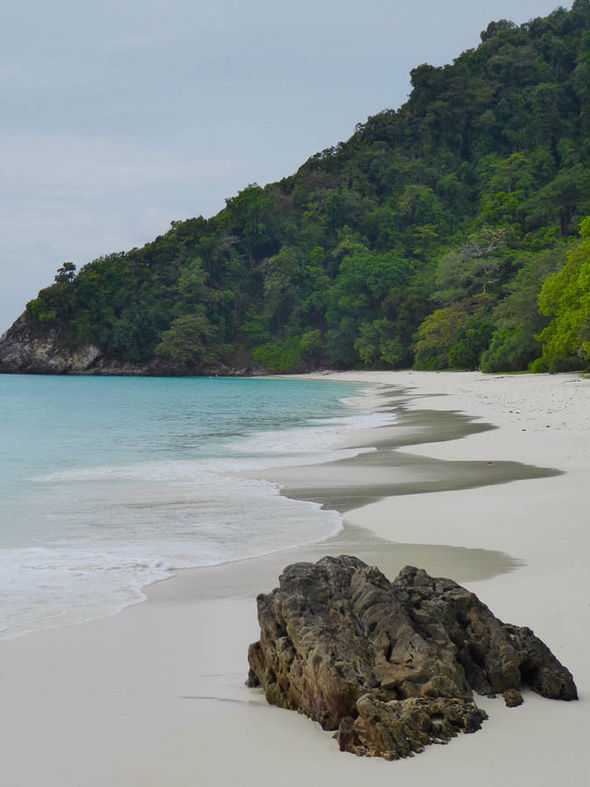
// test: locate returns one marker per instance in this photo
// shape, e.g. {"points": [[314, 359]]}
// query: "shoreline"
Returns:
{"points": [[408, 429], [154, 695], [366, 444]]}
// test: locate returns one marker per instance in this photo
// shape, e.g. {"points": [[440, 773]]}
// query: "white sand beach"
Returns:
{"points": [[155, 696]]}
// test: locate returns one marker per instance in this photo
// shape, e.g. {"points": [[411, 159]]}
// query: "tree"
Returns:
{"points": [[295, 353], [378, 344], [514, 344], [437, 335], [568, 195], [475, 269], [280, 291], [188, 340], [65, 274], [471, 339], [254, 216], [566, 298], [434, 207]]}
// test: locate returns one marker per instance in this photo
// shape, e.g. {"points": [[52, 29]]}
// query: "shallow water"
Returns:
{"points": [[108, 483]]}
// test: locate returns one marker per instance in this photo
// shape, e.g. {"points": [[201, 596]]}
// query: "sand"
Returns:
{"points": [[155, 695]]}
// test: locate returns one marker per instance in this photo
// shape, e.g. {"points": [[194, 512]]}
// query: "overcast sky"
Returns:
{"points": [[122, 115]]}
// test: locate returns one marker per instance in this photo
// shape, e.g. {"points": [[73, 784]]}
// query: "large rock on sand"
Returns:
{"points": [[391, 666]]}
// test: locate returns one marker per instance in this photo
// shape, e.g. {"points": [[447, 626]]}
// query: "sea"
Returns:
{"points": [[108, 484]]}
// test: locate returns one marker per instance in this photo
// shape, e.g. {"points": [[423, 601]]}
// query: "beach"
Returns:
{"points": [[484, 478]]}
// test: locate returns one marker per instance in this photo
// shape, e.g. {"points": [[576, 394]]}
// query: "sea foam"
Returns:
{"points": [[92, 535]]}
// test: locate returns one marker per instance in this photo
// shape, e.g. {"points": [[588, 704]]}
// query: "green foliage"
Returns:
{"points": [[565, 297], [471, 339], [289, 355], [514, 344], [40, 309], [311, 343], [378, 344], [437, 335], [475, 269], [424, 239], [65, 274], [55, 302], [254, 215], [510, 350], [189, 340]]}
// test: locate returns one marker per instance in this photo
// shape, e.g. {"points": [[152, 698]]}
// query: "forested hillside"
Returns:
{"points": [[444, 234]]}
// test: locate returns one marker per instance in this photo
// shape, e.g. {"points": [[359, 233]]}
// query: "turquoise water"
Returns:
{"points": [[109, 483]]}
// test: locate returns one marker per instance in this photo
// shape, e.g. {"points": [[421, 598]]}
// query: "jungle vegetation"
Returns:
{"points": [[450, 233]]}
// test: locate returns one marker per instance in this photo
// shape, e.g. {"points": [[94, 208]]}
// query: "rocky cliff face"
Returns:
{"points": [[29, 347], [391, 666]]}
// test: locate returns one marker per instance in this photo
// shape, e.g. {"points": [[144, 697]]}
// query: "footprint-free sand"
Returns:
{"points": [[485, 479]]}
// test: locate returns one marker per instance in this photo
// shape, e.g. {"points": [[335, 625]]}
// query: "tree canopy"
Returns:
{"points": [[437, 235]]}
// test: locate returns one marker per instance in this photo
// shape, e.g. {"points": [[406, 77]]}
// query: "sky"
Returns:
{"points": [[120, 116]]}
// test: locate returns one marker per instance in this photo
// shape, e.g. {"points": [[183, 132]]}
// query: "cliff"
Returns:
{"points": [[29, 347]]}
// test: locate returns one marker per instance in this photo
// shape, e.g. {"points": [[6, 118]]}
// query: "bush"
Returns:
{"points": [[558, 363], [289, 355], [470, 342], [511, 350], [282, 356], [437, 336]]}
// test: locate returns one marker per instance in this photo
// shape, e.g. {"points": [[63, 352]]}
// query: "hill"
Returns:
{"points": [[443, 234]]}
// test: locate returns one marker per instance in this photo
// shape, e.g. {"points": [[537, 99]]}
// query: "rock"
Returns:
{"points": [[28, 346], [513, 698], [391, 666], [32, 347]]}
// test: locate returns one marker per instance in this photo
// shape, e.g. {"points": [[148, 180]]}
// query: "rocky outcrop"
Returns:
{"points": [[391, 666], [31, 347]]}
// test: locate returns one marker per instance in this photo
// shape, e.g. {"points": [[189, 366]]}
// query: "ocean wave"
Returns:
{"points": [[319, 440], [202, 525], [109, 530]]}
